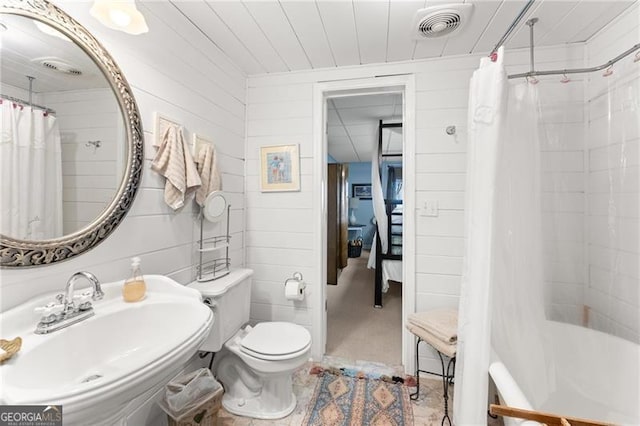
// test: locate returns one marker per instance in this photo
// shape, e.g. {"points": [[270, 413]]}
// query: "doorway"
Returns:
{"points": [[344, 103], [364, 136]]}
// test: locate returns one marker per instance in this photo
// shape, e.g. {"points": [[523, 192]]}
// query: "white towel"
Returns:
{"points": [[449, 349], [441, 323], [208, 170], [174, 162]]}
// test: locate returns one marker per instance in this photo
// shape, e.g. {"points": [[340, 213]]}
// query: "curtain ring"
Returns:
{"points": [[608, 72], [565, 79], [637, 57], [532, 80]]}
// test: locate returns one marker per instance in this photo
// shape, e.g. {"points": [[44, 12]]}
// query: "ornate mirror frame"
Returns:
{"points": [[25, 253]]}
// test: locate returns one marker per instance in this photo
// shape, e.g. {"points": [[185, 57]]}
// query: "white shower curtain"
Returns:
{"points": [[518, 316], [487, 109], [502, 302], [30, 173]]}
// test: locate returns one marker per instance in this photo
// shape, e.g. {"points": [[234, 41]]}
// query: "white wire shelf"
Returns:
{"points": [[214, 248]]}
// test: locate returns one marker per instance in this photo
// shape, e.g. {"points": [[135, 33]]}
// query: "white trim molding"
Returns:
{"points": [[321, 91]]}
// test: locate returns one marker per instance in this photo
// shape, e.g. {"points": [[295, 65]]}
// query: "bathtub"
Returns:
{"points": [[597, 377]]}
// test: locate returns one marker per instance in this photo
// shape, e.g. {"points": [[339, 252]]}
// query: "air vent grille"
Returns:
{"points": [[442, 20], [60, 66], [439, 24]]}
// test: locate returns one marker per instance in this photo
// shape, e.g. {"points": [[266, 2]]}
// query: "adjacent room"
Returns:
{"points": [[361, 130]]}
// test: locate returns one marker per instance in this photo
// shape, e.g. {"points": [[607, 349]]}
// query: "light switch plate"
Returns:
{"points": [[430, 208]]}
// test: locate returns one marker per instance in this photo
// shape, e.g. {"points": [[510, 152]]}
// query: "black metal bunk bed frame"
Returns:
{"points": [[389, 206]]}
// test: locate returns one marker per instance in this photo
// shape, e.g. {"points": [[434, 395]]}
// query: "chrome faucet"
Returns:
{"points": [[56, 316], [97, 293]]}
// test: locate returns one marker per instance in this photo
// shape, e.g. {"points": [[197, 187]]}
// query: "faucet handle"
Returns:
{"points": [[98, 294], [66, 304], [83, 300], [49, 312]]}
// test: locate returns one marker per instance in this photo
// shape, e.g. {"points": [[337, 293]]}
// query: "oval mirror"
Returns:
{"points": [[215, 206], [71, 149]]}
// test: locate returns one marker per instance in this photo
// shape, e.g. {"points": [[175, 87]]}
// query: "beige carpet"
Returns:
{"points": [[355, 329]]}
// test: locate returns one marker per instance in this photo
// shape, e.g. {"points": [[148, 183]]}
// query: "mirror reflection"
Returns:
{"points": [[63, 140]]}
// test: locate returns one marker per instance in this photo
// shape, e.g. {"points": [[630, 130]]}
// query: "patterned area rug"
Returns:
{"points": [[357, 400]]}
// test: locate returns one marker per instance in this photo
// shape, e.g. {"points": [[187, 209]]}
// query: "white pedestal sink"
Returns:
{"points": [[96, 367]]}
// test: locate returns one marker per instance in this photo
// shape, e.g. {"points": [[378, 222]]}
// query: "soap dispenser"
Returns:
{"points": [[134, 288]]}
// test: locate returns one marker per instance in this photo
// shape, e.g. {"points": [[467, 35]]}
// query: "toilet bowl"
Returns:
{"points": [[256, 367], [255, 364]]}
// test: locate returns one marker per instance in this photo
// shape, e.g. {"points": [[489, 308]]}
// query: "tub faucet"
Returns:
{"points": [[56, 316]]}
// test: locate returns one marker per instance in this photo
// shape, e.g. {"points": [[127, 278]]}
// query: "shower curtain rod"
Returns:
{"points": [[23, 102], [532, 73], [512, 27]]}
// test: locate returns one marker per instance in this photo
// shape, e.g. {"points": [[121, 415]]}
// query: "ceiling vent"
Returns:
{"points": [[59, 65], [439, 21]]}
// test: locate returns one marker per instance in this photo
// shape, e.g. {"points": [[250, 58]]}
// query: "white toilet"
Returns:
{"points": [[255, 364]]}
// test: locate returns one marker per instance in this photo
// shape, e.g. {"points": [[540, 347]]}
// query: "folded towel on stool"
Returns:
{"points": [[448, 349], [441, 323]]}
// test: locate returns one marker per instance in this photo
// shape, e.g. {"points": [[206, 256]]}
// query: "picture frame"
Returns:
{"points": [[361, 191], [279, 168]]}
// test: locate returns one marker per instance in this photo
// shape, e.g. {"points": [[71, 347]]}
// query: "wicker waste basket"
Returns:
{"points": [[200, 397], [355, 248]]}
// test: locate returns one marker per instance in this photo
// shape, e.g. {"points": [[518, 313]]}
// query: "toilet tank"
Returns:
{"points": [[230, 300]]}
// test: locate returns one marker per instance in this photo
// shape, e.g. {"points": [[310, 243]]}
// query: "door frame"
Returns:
{"points": [[341, 88]]}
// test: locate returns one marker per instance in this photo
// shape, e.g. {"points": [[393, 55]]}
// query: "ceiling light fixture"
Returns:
{"points": [[122, 15]]}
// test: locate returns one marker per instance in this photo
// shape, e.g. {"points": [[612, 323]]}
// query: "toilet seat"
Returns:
{"points": [[276, 341]]}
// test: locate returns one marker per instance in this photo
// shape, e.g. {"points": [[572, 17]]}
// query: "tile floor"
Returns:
{"points": [[427, 411]]}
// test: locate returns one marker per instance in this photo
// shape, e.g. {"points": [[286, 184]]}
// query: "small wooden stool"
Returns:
{"points": [[438, 329]]}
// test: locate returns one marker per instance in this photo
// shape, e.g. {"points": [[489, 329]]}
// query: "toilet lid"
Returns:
{"points": [[276, 338]]}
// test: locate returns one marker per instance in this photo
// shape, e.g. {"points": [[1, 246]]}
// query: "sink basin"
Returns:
{"points": [[96, 367]]}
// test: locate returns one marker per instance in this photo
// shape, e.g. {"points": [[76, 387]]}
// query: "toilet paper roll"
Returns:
{"points": [[294, 289]]}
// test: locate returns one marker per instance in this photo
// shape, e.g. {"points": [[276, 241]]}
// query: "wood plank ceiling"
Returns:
{"points": [[288, 35], [279, 36]]}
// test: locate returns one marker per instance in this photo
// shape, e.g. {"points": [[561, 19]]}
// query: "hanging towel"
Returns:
{"points": [[208, 170], [174, 162]]}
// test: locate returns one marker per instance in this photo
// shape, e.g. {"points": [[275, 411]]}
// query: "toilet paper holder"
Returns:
{"points": [[297, 276]]}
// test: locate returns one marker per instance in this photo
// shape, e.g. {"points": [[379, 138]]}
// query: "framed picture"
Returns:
{"points": [[361, 190], [279, 168]]}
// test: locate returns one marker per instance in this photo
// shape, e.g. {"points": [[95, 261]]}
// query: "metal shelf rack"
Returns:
{"points": [[219, 266]]}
